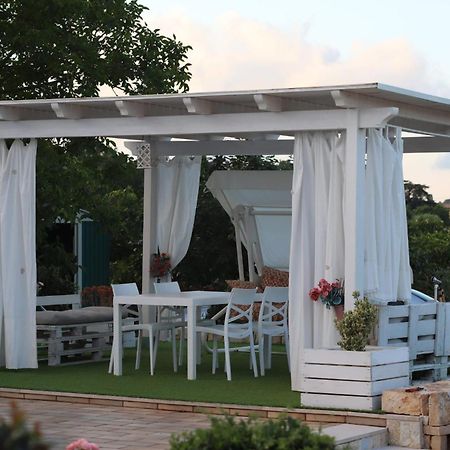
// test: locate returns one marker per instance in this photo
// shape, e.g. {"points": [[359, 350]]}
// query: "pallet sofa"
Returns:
{"points": [[74, 335]]}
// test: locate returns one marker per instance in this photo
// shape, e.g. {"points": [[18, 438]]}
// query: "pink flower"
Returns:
{"points": [[314, 294], [82, 444]]}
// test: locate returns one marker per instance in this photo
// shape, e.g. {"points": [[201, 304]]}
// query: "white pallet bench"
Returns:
{"points": [[64, 342]]}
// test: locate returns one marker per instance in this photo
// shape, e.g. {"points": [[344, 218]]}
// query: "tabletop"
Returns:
{"points": [[186, 298]]}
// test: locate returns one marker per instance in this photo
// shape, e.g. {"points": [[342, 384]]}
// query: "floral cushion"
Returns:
{"points": [[274, 277]]}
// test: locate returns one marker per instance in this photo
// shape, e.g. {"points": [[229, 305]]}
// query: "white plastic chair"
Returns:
{"points": [[152, 329], [168, 314], [238, 324], [272, 321]]}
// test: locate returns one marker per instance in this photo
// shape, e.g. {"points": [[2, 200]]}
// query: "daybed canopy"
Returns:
{"points": [[259, 204]]}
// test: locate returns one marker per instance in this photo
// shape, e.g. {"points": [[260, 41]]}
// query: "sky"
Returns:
{"points": [[251, 44]]}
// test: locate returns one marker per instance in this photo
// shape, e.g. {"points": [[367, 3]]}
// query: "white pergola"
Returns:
{"points": [[243, 123]]}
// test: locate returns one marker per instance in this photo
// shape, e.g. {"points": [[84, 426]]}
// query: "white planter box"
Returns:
{"points": [[334, 378]]}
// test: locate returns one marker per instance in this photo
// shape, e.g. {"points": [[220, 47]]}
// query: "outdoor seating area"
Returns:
{"points": [[325, 241]]}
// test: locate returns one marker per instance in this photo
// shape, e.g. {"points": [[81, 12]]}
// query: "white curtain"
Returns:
{"points": [[178, 182], [317, 239], [18, 254], [387, 270]]}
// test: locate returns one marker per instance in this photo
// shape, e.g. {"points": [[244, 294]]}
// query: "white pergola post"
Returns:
{"points": [[149, 245], [354, 191]]}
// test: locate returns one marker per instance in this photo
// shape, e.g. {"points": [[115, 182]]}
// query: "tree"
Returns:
{"points": [[429, 238], [71, 48]]}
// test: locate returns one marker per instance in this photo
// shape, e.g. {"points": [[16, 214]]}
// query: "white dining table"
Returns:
{"points": [[191, 300]]}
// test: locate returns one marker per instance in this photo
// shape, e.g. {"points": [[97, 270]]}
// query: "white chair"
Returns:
{"points": [[152, 328], [272, 321], [238, 324], [168, 314]]}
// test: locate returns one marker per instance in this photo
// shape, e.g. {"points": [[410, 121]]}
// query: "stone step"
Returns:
{"points": [[357, 437], [398, 448]]}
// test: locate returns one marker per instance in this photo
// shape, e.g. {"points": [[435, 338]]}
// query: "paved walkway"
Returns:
{"points": [[111, 428]]}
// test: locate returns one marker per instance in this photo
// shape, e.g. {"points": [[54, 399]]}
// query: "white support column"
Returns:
{"points": [[149, 229], [355, 149]]}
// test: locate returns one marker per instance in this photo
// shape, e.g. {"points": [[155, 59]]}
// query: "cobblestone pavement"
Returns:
{"points": [[111, 428]]}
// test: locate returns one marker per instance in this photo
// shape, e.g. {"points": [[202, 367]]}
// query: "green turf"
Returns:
{"points": [[270, 390]]}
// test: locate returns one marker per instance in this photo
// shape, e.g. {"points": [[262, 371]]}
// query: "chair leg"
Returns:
{"points": [[157, 338], [111, 359], [227, 359], [173, 333], [215, 365], [269, 352], [286, 345], [152, 351], [138, 350], [180, 349], [253, 355], [261, 354]]}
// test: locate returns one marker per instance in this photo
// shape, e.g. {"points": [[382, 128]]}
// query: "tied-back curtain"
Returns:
{"points": [[18, 254], [178, 183], [387, 270], [317, 239]]}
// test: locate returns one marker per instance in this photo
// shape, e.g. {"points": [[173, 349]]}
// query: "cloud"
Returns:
{"points": [[442, 163], [233, 52]]}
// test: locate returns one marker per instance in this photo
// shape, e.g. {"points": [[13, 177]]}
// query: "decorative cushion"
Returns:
{"points": [[90, 314], [274, 277]]}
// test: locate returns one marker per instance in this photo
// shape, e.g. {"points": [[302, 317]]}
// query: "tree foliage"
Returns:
{"points": [[429, 238], [71, 48]]}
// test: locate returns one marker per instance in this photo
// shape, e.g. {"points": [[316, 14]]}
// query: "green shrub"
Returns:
{"points": [[231, 434], [356, 325], [16, 435]]}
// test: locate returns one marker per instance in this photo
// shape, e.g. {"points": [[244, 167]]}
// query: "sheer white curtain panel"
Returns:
{"points": [[18, 254], [387, 270], [178, 183], [317, 240]]}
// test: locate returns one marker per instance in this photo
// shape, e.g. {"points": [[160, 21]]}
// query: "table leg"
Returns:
{"points": [[117, 340], [198, 337], [191, 343]]}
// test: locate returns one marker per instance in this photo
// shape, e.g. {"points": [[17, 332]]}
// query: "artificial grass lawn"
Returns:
{"points": [[271, 390]]}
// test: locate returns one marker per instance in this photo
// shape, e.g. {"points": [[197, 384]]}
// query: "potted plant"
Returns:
{"points": [[353, 376]]}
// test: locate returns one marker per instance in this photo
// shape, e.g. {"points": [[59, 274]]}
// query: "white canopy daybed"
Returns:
{"points": [[325, 123], [259, 204]]}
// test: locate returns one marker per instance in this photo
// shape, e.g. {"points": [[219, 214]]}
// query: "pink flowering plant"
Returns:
{"points": [[330, 294], [82, 444]]}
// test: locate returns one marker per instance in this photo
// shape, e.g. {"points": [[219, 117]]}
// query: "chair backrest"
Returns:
{"points": [[240, 306], [169, 313], [274, 305], [125, 289], [167, 288]]}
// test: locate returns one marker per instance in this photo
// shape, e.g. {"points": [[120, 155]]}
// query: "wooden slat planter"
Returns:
{"points": [[334, 378]]}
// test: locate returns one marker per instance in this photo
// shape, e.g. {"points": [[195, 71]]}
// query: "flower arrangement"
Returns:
{"points": [[160, 265], [82, 444], [97, 296], [330, 294]]}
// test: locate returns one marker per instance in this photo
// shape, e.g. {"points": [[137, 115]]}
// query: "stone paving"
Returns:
{"points": [[112, 428]]}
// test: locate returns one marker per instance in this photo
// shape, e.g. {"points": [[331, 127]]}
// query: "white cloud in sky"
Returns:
{"points": [[231, 52]]}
